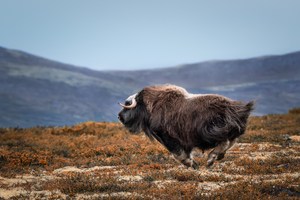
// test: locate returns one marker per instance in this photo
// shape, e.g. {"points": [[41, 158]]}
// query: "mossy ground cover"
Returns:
{"points": [[103, 161]]}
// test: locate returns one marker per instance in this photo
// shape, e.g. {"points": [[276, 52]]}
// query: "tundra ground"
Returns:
{"points": [[102, 161]]}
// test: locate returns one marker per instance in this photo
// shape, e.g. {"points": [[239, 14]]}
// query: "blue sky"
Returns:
{"points": [[138, 34]]}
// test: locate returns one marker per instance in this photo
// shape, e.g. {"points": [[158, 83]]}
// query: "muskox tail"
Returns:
{"points": [[240, 116], [227, 125], [244, 111]]}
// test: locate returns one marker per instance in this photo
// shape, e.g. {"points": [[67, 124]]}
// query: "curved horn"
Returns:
{"points": [[132, 105]]}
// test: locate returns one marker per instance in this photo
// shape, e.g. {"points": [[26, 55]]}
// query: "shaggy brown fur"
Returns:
{"points": [[182, 121]]}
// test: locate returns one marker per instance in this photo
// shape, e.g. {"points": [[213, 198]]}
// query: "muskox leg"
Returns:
{"points": [[218, 152], [186, 158], [173, 145], [181, 154], [222, 154]]}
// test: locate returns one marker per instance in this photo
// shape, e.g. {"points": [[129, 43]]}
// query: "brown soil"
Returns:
{"points": [[102, 161]]}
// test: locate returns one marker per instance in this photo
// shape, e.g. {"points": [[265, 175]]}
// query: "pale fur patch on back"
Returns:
{"points": [[190, 95]]}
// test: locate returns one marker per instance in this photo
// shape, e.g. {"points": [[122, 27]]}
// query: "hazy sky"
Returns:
{"points": [[135, 34]]}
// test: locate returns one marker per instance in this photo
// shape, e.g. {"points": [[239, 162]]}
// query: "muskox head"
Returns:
{"points": [[133, 115]]}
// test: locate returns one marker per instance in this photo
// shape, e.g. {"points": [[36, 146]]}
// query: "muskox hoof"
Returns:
{"points": [[211, 159], [210, 163], [221, 156], [190, 163], [195, 165]]}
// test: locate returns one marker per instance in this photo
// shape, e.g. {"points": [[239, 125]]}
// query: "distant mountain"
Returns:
{"points": [[224, 73], [37, 91], [273, 81]]}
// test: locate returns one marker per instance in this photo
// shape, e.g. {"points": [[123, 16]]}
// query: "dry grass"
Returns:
{"points": [[109, 163]]}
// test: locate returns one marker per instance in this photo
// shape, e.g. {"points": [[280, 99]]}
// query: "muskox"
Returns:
{"points": [[182, 121]]}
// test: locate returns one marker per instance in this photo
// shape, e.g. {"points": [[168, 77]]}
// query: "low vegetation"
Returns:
{"points": [[102, 161]]}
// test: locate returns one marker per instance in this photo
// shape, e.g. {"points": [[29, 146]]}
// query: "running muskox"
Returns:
{"points": [[182, 121]]}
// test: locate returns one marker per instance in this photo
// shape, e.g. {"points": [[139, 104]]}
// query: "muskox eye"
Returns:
{"points": [[127, 103]]}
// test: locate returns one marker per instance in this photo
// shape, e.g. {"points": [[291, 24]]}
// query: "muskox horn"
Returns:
{"points": [[132, 105]]}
